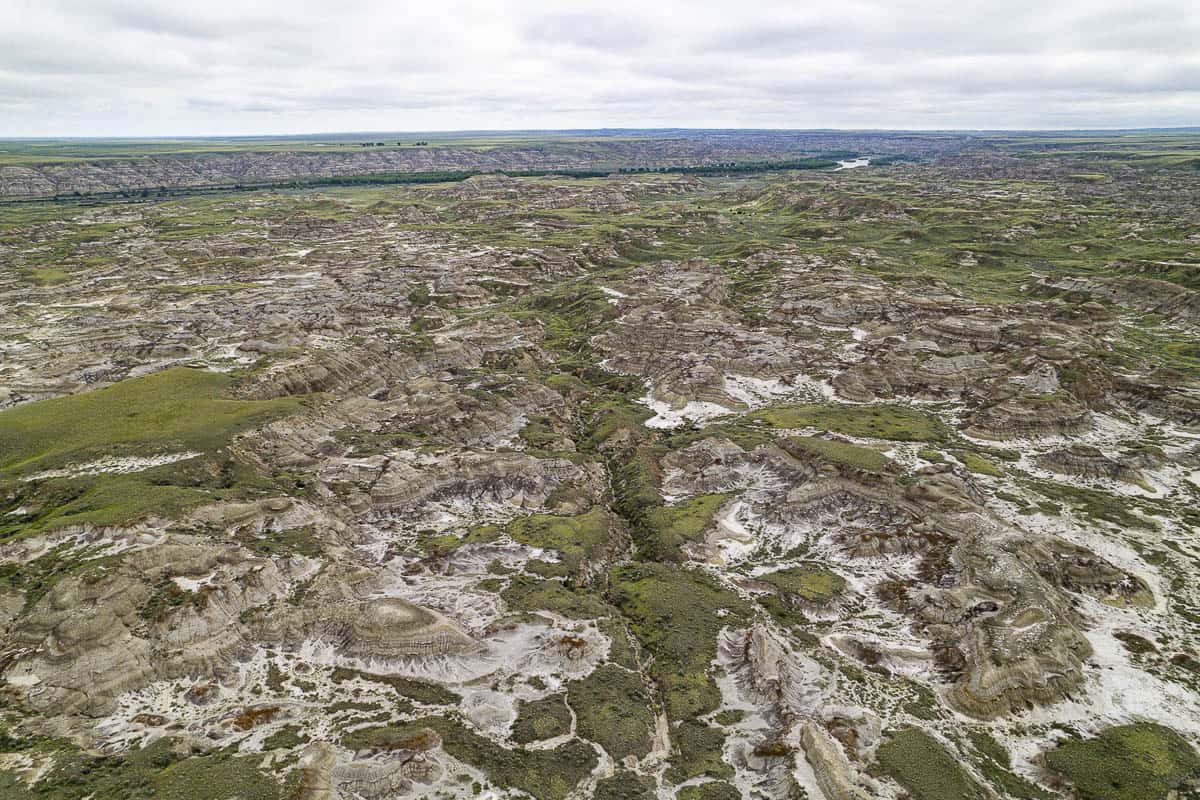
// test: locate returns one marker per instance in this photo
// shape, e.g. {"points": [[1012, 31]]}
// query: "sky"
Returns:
{"points": [[246, 67]]}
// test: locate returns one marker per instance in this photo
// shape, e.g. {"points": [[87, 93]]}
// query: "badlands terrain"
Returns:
{"points": [[871, 481]]}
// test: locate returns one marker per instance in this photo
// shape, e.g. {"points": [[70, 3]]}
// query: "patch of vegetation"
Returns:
{"points": [[851, 455], [730, 716], [744, 432], [613, 709], [407, 736], [568, 311], [119, 499], [285, 738], [667, 528], [539, 432], [996, 765], [922, 703], [13, 787], [920, 764], [275, 679], [713, 790], [673, 612], [174, 410], [433, 543], [153, 773], [293, 541], [623, 785], [973, 462], [1134, 644], [893, 422], [164, 599], [532, 595], [411, 688], [49, 276], [577, 539], [635, 479], [541, 719], [608, 417], [1142, 761], [1093, 504], [810, 584], [177, 410], [698, 749], [351, 705], [545, 774]]}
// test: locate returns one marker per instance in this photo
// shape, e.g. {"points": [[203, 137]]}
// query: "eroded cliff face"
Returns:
{"points": [[647, 486], [339, 159]]}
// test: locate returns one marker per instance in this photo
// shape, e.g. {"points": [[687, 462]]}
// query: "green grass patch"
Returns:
{"points": [[431, 542], [577, 539], [1091, 503], [897, 423], [410, 688], [996, 765], [851, 455], [36, 577], [920, 764], [673, 613], [624, 785], [612, 709], [745, 433], [151, 773], [292, 541], [713, 790], [541, 719], [1142, 761], [531, 594], [174, 410], [668, 528], [285, 738], [546, 774], [698, 749], [49, 276], [609, 417], [119, 499], [973, 462], [809, 584]]}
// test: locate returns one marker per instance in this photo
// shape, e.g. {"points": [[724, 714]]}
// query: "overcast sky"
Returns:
{"points": [[137, 67]]}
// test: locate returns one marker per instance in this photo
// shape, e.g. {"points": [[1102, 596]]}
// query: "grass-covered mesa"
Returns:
{"points": [[148, 445], [851, 455], [174, 411], [898, 423], [619, 464]]}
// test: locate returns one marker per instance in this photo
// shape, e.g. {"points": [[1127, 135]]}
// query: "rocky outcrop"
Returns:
{"points": [[395, 775], [115, 629], [1030, 417], [386, 629], [829, 764], [1088, 462]]}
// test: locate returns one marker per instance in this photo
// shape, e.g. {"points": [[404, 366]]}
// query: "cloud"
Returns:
{"points": [[143, 67], [597, 31]]}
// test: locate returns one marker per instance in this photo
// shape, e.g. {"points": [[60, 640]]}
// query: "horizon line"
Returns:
{"points": [[567, 131]]}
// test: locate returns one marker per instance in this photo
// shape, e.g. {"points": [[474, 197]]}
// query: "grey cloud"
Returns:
{"points": [[597, 31], [118, 67], [161, 20]]}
